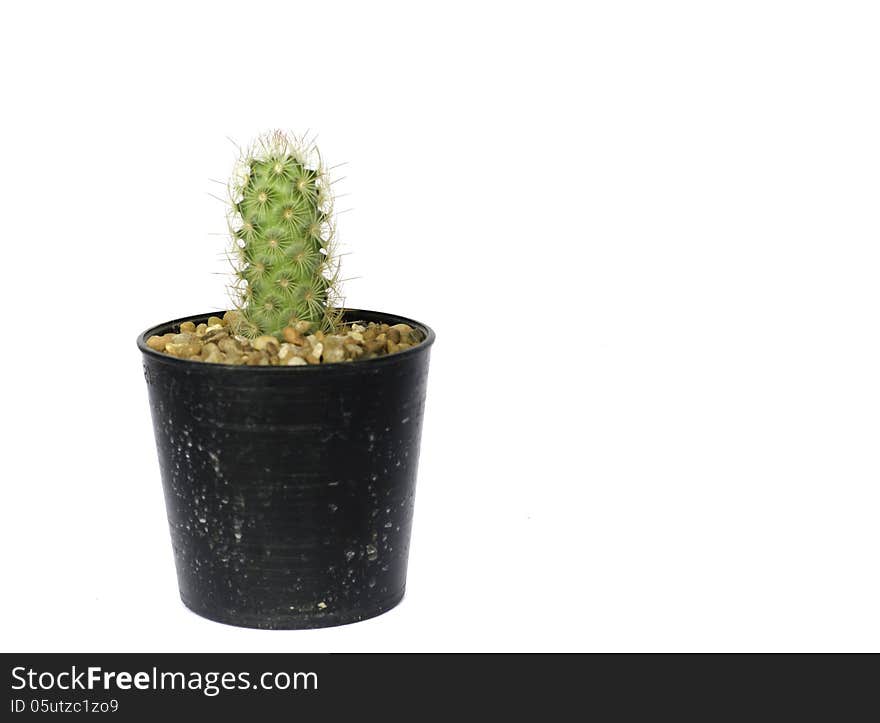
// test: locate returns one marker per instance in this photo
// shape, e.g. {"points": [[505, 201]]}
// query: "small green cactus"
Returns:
{"points": [[281, 221]]}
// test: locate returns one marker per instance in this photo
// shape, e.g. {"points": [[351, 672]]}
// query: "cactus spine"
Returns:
{"points": [[281, 221]]}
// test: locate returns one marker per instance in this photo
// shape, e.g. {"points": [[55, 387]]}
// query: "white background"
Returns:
{"points": [[645, 233]]}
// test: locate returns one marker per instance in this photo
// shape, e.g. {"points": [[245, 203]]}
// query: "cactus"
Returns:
{"points": [[281, 222]]}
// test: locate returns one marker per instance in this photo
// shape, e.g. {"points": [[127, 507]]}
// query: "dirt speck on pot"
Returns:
{"points": [[216, 342]]}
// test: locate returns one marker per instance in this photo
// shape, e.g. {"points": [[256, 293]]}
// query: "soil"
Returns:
{"points": [[215, 343]]}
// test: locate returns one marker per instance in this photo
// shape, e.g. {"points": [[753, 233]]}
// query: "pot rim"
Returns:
{"points": [[299, 369]]}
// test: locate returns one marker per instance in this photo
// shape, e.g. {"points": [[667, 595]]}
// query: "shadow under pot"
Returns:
{"points": [[289, 489]]}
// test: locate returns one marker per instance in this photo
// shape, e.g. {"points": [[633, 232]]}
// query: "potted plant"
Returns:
{"points": [[288, 427]]}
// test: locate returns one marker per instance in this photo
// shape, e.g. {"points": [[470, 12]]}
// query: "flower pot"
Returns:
{"points": [[289, 490]]}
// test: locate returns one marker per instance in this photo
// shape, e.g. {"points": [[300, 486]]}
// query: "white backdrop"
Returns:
{"points": [[645, 233]]}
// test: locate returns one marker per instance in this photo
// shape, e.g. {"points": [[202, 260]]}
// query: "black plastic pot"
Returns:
{"points": [[289, 490]]}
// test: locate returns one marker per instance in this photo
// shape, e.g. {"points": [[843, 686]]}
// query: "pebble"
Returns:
{"points": [[216, 342], [375, 345], [210, 348], [156, 342], [354, 351], [314, 356], [229, 346], [292, 336], [185, 349], [264, 343], [333, 349]]}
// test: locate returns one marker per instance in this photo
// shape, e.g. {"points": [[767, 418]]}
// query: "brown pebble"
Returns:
{"points": [[333, 351], [215, 334], [229, 346], [265, 343], [185, 349], [157, 343], [376, 344], [208, 349], [215, 342], [354, 350], [183, 338], [292, 336], [314, 356]]}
